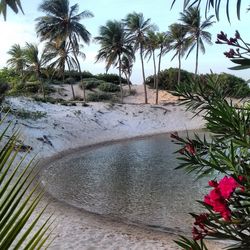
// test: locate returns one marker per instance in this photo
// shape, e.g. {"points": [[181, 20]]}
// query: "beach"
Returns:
{"points": [[64, 129]]}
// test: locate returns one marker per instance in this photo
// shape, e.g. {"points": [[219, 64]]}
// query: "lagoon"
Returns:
{"points": [[133, 181]]}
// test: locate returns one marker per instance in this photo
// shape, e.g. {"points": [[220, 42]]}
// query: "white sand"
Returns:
{"points": [[71, 127]]}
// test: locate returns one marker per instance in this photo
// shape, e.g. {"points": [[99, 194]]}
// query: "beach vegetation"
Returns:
{"points": [[235, 86], [126, 68], [108, 87], [197, 33], [100, 97], [138, 27], [108, 77], [61, 26], [115, 43], [225, 157], [177, 38]]}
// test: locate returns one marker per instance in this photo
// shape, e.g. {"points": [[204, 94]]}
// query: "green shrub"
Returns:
{"points": [[25, 114], [32, 78], [108, 87], [31, 87], [168, 78], [91, 83], [234, 86], [70, 80], [99, 97], [113, 78], [9, 76]]}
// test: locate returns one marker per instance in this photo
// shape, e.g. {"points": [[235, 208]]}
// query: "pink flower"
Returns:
{"points": [[190, 149], [227, 186], [200, 220], [213, 183], [198, 234], [218, 197]]}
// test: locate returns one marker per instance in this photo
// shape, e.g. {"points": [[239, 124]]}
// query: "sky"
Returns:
{"points": [[21, 28]]}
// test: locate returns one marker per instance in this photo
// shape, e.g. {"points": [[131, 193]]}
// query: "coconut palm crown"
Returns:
{"points": [[16, 60], [62, 21], [196, 31], [178, 42], [115, 43]]}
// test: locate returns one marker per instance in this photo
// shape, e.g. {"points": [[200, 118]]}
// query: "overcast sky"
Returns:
{"points": [[21, 28]]}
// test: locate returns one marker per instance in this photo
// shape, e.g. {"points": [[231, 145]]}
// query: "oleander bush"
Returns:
{"points": [[225, 157]]}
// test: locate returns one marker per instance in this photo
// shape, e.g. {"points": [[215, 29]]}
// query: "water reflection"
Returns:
{"points": [[133, 180]]}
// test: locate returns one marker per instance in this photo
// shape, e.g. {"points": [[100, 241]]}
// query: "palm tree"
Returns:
{"points": [[197, 35], [138, 28], [34, 62], [63, 22], [151, 46], [178, 42], [164, 47], [61, 53], [115, 43], [17, 60], [126, 67]]}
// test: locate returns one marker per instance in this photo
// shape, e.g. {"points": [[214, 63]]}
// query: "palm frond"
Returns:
{"points": [[17, 203], [15, 5], [215, 4]]}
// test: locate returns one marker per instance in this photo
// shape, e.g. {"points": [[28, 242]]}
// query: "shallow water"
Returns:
{"points": [[134, 181]]}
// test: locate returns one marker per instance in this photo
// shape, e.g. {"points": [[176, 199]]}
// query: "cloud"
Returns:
{"points": [[14, 33]]}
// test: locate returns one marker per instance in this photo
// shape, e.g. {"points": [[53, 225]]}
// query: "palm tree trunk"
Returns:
{"points": [[128, 82], [41, 82], [79, 70], [63, 72], [197, 57], [143, 75], [179, 70], [72, 88], [158, 75], [82, 83], [120, 77], [154, 69]]}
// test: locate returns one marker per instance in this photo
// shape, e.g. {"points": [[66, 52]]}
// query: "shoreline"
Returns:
{"points": [[76, 128]]}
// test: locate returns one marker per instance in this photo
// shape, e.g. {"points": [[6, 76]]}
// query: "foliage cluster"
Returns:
{"points": [[226, 156], [91, 83], [168, 78], [108, 87], [19, 197], [113, 78], [235, 86], [24, 114], [100, 97]]}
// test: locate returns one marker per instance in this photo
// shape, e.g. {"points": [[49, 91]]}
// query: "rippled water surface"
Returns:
{"points": [[134, 181]]}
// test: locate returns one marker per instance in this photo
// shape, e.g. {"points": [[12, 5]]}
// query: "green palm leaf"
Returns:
{"points": [[17, 202]]}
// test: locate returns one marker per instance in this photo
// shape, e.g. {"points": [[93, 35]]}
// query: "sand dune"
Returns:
{"points": [[64, 128]]}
